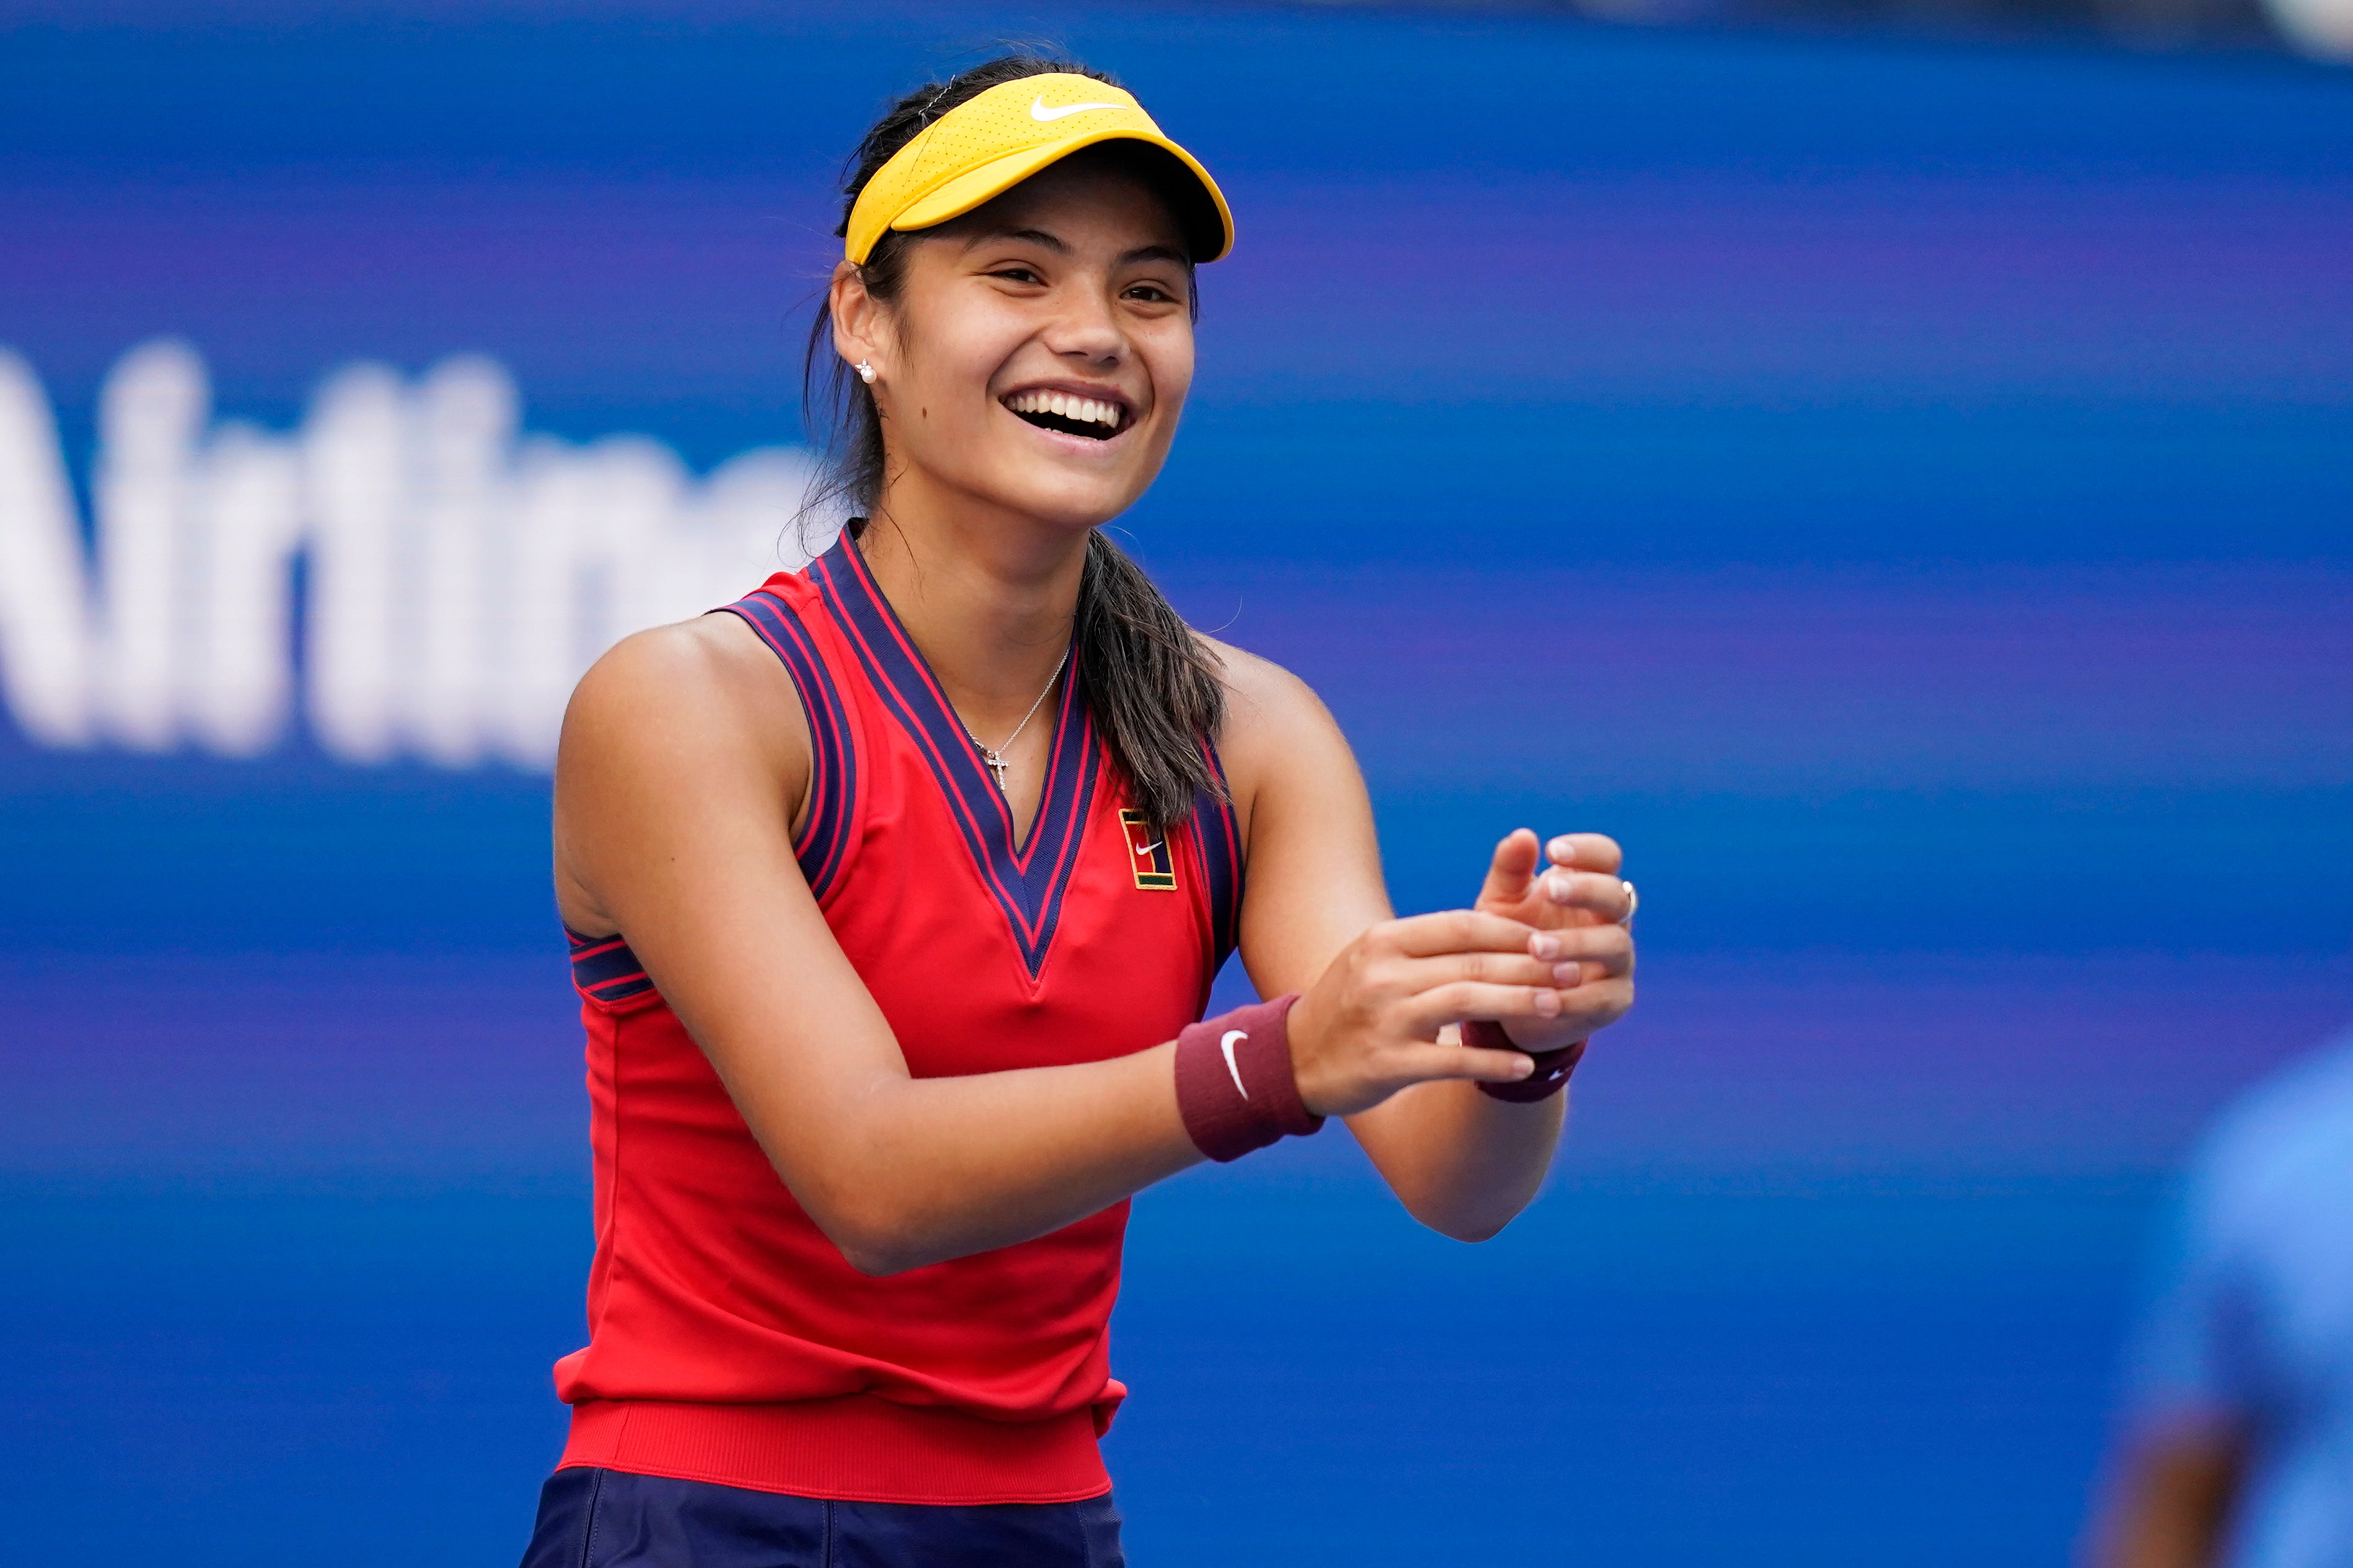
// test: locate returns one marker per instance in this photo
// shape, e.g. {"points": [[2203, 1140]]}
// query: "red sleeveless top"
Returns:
{"points": [[729, 1341]]}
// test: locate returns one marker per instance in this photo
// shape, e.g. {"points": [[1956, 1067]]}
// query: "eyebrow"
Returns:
{"points": [[1035, 237], [1038, 236]]}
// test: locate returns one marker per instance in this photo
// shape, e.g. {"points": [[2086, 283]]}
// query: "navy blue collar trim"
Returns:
{"points": [[824, 839], [1027, 880]]}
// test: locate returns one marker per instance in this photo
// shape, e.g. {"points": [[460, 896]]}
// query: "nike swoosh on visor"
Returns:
{"points": [[1037, 109]]}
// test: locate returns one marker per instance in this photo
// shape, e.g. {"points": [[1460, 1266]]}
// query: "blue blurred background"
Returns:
{"points": [[1898, 486]]}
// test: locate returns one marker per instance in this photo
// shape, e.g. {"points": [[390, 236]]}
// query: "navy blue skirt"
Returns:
{"points": [[609, 1519]]}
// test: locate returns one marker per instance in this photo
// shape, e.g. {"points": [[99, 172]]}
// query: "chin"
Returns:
{"points": [[1075, 506]]}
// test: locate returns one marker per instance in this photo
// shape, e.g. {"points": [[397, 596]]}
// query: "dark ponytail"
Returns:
{"points": [[1151, 687]]}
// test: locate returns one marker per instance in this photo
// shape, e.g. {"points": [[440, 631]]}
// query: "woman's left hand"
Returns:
{"points": [[1571, 889]]}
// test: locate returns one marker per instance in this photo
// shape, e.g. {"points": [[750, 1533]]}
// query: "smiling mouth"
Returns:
{"points": [[1093, 418]]}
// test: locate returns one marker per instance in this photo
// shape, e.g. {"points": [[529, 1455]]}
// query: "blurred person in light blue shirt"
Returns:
{"points": [[2239, 1446]]}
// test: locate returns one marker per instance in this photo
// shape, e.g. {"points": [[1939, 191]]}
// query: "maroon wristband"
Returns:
{"points": [[1235, 1086], [1553, 1067]]}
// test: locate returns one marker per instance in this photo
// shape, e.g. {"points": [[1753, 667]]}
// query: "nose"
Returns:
{"points": [[1088, 331]]}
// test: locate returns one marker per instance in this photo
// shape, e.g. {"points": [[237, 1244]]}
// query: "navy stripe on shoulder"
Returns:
{"points": [[824, 840], [1221, 857]]}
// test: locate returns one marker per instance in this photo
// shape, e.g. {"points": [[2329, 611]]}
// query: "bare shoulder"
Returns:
{"points": [[1261, 694], [700, 683], [697, 718], [1277, 730]]}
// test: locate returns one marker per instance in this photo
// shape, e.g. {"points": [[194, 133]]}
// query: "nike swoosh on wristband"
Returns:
{"points": [[1227, 1046], [1039, 112]]}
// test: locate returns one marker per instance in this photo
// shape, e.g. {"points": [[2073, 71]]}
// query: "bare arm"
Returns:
{"points": [[2172, 1501], [682, 754], [1463, 1163]]}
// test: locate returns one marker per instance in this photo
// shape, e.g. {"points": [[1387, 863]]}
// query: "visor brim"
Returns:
{"points": [[1209, 223]]}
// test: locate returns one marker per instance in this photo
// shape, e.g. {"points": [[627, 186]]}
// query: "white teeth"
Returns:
{"points": [[1065, 405]]}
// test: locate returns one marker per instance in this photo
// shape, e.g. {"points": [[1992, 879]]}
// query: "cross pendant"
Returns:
{"points": [[996, 765]]}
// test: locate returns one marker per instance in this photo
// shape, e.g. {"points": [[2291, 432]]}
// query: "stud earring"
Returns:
{"points": [[866, 372]]}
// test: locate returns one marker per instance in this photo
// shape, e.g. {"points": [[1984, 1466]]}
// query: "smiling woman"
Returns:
{"points": [[887, 1020]]}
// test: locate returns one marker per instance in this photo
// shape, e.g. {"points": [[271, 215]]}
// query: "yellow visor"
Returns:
{"points": [[995, 139]]}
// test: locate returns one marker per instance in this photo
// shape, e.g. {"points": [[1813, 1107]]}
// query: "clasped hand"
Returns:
{"points": [[1544, 952]]}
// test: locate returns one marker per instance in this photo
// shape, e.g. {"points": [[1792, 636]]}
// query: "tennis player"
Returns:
{"points": [[896, 891]]}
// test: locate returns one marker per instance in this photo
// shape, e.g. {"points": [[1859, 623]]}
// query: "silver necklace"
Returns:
{"points": [[994, 756]]}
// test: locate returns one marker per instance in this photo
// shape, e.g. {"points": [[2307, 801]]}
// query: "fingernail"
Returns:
{"points": [[1561, 847], [1523, 1067], [1568, 974], [1543, 945], [1560, 890], [1547, 1004]]}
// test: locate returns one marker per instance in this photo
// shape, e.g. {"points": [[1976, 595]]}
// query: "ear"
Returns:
{"points": [[858, 316]]}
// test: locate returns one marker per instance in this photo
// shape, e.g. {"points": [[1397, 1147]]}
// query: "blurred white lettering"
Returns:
{"points": [[460, 575]]}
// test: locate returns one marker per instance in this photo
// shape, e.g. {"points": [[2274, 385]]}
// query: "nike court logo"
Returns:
{"points": [[1039, 112], [1227, 1046]]}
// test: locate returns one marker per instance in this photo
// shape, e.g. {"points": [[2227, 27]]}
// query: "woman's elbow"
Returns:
{"points": [[873, 1233], [1463, 1218], [874, 1249], [1467, 1229], [877, 1263]]}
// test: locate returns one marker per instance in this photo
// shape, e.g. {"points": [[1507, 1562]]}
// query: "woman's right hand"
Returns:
{"points": [[1369, 1025]]}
